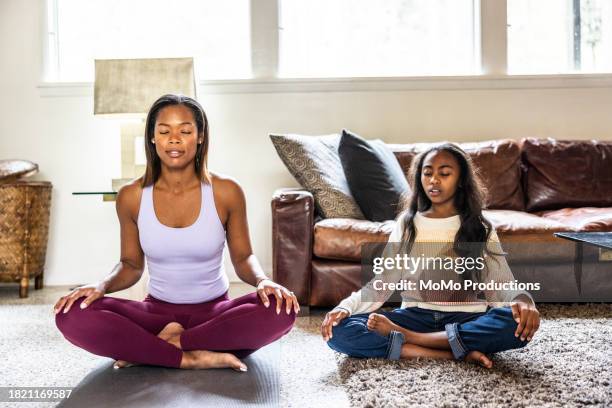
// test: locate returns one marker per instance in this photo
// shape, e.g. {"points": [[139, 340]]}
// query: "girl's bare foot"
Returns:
{"points": [[170, 333], [382, 325], [479, 358], [201, 359]]}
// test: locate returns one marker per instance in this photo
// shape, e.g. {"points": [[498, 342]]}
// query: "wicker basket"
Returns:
{"points": [[24, 231]]}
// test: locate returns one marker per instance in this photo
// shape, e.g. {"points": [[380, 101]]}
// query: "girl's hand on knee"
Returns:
{"points": [[332, 319], [90, 292], [528, 319]]}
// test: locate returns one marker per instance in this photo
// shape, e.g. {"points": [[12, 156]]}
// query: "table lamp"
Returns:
{"points": [[125, 89]]}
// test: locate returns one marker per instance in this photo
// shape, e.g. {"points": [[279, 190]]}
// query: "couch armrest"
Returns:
{"points": [[292, 235]]}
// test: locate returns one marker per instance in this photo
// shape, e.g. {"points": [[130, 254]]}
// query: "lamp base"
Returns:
{"points": [[130, 132]]}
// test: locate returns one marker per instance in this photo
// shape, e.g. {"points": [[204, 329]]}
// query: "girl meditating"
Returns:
{"points": [[179, 215], [443, 215]]}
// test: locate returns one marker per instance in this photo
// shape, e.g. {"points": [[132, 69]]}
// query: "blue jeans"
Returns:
{"points": [[487, 332]]}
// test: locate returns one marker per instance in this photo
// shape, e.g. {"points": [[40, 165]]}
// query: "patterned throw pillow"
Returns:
{"points": [[315, 164]]}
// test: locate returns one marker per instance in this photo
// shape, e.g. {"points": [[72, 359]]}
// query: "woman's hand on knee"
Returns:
{"points": [[90, 292], [332, 319], [268, 287]]}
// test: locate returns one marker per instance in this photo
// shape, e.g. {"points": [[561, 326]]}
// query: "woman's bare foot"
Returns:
{"points": [[479, 358], [201, 359], [170, 333], [382, 325]]}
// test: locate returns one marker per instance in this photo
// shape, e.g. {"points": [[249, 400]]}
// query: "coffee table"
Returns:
{"points": [[602, 240]]}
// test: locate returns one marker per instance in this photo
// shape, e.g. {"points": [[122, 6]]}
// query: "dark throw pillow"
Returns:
{"points": [[374, 176]]}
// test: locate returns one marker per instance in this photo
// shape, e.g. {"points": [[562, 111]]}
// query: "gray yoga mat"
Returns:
{"points": [[150, 386]]}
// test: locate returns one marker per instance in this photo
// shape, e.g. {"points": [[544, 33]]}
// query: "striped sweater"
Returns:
{"points": [[435, 236]]}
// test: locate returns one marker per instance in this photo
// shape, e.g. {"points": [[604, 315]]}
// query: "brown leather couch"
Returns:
{"points": [[536, 187]]}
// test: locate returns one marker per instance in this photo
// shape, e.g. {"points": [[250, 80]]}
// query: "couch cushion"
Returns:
{"points": [[586, 219], [567, 173], [526, 237], [507, 222], [497, 161], [341, 238], [374, 176]]}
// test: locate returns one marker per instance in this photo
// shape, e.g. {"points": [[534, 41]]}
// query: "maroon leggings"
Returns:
{"points": [[127, 329]]}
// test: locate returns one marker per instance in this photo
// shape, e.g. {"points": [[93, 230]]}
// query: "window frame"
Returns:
{"points": [[491, 50]]}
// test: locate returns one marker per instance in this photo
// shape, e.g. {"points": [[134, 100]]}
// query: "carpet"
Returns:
{"points": [[567, 364], [35, 354]]}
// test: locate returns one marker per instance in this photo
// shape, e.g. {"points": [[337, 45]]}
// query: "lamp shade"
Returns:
{"points": [[130, 86]]}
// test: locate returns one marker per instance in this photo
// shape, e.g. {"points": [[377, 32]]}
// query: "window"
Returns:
{"points": [[559, 36], [216, 33], [237, 39], [346, 38]]}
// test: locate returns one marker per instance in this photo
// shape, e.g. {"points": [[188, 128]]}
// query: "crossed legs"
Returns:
{"points": [[414, 332], [145, 333]]}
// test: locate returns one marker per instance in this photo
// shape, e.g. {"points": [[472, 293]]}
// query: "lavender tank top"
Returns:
{"points": [[185, 264]]}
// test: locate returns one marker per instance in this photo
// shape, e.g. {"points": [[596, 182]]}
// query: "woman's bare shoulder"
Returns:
{"points": [[227, 190], [128, 198], [224, 184]]}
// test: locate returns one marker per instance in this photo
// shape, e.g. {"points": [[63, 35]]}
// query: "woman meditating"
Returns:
{"points": [[444, 211], [179, 215]]}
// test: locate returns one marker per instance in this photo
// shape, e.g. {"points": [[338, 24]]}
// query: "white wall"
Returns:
{"points": [[78, 152]]}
